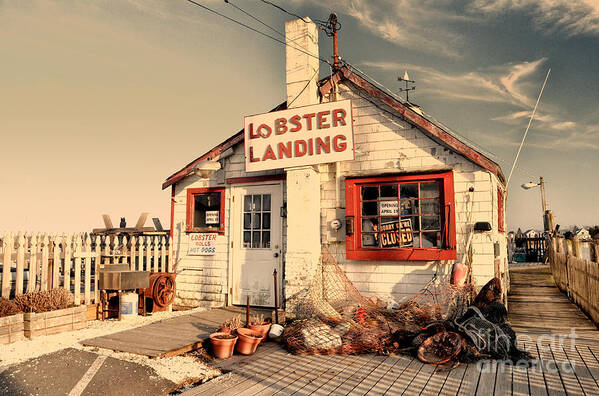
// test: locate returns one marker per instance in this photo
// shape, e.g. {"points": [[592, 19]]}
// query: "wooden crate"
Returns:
{"points": [[46, 323], [11, 329]]}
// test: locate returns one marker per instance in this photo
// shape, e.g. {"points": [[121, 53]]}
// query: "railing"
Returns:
{"points": [[575, 269], [30, 262]]}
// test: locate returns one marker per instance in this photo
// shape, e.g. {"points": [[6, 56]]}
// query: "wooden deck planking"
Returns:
{"points": [[469, 380], [453, 381], [339, 363], [386, 382]]}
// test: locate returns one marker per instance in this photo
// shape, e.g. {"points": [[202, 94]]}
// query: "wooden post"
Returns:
{"points": [[140, 264], [87, 248], [247, 311], [577, 248], [162, 240], [67, 241], [132, 254], [32, 281], [595, 249], [8, 242], [148, 253], [156, 253], [56, 260], [98, 257], [44, 263], [274, 274], [77, 270], [20, 264]]}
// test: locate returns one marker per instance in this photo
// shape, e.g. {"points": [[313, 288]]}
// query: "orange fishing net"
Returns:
{"points": [[333, 317]]}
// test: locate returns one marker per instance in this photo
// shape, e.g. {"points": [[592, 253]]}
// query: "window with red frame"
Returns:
{"points": [[205, 210], [406, 217], [500, 211]]}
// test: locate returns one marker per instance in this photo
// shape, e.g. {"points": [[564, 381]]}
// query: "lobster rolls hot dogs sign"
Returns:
{"points": [[300, 136]]}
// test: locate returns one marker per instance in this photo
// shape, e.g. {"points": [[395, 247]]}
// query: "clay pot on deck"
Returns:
{"points": [[261, 329], [223, 344], [248, 341]]}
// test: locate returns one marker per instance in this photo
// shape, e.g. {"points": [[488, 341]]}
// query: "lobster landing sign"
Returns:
{"points": [[300, 136]]}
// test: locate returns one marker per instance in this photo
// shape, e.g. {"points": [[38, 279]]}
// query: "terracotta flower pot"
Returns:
{"points": [[223, 344], [248, 341], [261, 329]]}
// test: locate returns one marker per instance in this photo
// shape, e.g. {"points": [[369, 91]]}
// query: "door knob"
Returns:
{"points": [[276, 254]]}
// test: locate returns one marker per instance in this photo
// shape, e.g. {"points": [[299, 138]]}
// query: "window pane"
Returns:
{"points": [[247, 221], [266, 221], [415, 240], [368, 240], [370, 208], [431, 239], [389, 191], [408, 190], [266, 202], [370, 193], [406, 239], [206, 213], [429, 190], [370, 224], [409, 207], [256, 221], [247, 203], [430, 223], [257, 202], [247, 239], [265, 239], [429, 206], [256, 239], [410, 223]]}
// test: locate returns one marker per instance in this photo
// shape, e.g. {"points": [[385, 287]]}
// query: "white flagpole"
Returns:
{"points": [[526, 131]]}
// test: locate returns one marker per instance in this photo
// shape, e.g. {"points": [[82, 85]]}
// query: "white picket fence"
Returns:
{"points": [[30, 262]]}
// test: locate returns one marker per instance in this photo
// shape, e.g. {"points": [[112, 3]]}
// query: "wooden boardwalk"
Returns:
{"points": [[537, 309], [168, 337]]}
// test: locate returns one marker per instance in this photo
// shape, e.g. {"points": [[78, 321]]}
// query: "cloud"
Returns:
{"points": [[509, 84], [574, 17]]}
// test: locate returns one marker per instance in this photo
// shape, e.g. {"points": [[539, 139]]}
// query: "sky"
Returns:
{"points": [[101, 101]]}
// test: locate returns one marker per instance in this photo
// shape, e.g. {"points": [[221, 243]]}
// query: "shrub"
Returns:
{"points": [[44, 301], [8, 308]]}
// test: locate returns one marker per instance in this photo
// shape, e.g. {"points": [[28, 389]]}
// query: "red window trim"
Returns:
{"points": [[354, 251], [500, 210], [190, 209], [254, 179]]}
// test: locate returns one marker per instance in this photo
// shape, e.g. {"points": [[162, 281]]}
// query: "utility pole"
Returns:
{"points": [[542, 184]]}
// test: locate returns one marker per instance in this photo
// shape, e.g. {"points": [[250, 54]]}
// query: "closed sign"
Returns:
{"points": [[301, 136]]}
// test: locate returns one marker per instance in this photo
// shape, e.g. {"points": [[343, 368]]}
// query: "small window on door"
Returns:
{"points": [[256, 221]]}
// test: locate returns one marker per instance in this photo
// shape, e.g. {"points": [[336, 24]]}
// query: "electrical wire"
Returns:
{"points": [[256, 19], [257, 31], [284, 10], [303, 89]]}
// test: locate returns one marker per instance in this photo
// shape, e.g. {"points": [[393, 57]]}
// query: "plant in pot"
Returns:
{"points": [[223, 344], [248, 341], [260, 325], [231, 325]]}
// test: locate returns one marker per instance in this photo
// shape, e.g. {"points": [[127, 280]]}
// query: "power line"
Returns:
{"points": [[257, 31], [256, 19], [303, 89]]}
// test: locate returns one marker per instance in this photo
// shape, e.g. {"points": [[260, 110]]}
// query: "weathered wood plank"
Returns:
{"points": [[388, 379], [453, 381], [470, 380]]}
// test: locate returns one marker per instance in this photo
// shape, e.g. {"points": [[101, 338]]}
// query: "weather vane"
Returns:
{"points": [[407, 89]]}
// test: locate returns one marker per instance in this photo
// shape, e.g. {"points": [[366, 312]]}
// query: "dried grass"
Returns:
{"points": [[44, 301], [8, 308]]}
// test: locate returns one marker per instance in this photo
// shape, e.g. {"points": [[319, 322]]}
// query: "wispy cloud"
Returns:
{"points": [[437, 26], [515, 85], [574, 17], [510, 84]]}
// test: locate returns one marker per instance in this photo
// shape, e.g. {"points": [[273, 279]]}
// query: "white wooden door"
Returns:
{"points": [[257, 243]]}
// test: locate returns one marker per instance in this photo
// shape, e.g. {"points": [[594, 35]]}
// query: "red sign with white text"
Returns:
{"points": [[300, 136]]}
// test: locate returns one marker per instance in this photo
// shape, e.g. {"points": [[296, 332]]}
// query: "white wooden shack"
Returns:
{"points": [[405, 201]]}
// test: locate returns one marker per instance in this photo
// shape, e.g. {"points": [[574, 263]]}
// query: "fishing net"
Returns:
{"points": [[333, 317]]}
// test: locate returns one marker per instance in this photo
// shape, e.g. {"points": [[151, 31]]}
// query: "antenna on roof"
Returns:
{"points": [[406, 79]]}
